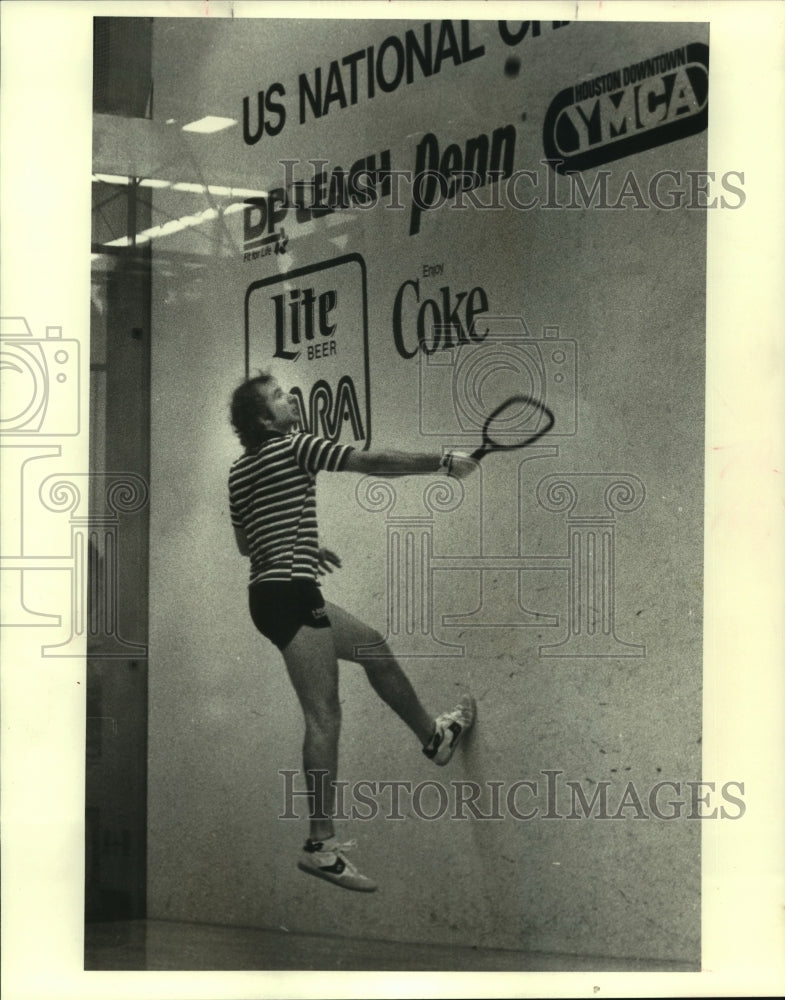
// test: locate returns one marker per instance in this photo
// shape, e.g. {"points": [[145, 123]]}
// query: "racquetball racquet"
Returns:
{"points": [[503, 420]]}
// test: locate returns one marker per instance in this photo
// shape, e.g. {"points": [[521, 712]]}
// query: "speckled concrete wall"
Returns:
{"points": [[563, 584]]}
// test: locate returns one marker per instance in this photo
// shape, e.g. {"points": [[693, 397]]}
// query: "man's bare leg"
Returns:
{"points": [[313, 669], [383, 670]]}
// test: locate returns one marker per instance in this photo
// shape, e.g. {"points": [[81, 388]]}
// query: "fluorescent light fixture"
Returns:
{"points": [[220, 191], [111, 179], [227, 192], [151, 182], [247, 193], [167, 228], [177, 225], [124, 241], [212, 123]]}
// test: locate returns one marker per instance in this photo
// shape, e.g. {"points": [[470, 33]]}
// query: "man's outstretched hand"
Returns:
{"points": [[458, 464]]}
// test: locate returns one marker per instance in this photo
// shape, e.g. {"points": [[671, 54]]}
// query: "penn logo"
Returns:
{"points": [[629, 110]]}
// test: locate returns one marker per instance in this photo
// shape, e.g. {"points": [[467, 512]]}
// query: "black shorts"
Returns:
{"points": [[280, 607]]}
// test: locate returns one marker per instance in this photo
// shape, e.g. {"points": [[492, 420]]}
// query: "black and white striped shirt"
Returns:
{"points": [[272, 497]]}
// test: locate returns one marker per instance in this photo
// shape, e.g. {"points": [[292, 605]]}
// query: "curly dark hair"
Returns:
{"points": [[246, 408]]}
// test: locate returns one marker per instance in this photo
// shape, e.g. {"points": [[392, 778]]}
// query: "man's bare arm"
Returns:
{"points": [[392, 463], [406, 463]]}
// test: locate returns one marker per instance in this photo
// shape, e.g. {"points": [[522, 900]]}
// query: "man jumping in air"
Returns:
{"points": [[272, 501]]}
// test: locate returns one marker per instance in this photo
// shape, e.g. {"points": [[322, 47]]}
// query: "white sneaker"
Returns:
{"points": [[450, 727], [326, 860]]}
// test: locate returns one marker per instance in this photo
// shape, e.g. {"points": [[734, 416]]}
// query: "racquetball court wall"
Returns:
{"points": [[406, 222]]}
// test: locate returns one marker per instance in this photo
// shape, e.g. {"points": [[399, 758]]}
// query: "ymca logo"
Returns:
{"points": [[629, 110]]}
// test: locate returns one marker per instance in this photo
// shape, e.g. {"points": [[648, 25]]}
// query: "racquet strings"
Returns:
{"points": [[516, 422]]}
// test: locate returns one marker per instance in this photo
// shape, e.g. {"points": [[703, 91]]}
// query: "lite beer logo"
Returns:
{"points": [[311, 327], [629, 110]]}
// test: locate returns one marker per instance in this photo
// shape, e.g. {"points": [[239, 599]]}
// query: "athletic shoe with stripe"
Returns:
{"points": [[326, 859], [450, 729]]}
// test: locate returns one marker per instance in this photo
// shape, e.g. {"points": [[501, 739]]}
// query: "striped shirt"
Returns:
{"points": [[272, 497]]}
